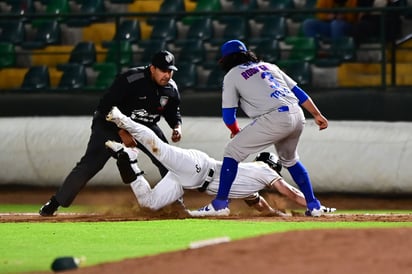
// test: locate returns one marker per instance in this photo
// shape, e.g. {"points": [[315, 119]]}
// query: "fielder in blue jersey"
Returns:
{"points": [[274, 101]]}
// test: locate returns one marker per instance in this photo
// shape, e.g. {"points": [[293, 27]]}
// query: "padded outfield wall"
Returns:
{"points": [[367, 148], [350, 156]]}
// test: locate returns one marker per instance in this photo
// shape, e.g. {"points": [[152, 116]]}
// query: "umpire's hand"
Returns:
{"points": [[177, 134]]}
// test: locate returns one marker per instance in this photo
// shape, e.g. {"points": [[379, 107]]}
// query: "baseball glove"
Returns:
{"points": [[127, 138]]}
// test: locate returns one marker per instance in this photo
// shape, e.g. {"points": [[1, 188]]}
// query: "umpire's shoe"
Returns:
{"points": [[49, 208]]}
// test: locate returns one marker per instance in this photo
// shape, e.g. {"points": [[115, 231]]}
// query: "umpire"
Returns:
{"points": [[143, 93]]}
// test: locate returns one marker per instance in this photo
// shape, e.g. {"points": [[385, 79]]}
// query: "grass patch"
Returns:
{"points": [[33, 246]]}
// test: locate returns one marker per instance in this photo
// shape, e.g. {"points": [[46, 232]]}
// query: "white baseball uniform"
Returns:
{"points": [[264, 93], [190, 169]]}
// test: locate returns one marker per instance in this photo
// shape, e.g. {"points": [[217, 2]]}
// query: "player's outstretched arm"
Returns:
{"points": [[260, 204], [289, 191]]}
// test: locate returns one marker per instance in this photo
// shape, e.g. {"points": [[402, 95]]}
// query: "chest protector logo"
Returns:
{"points": [[163, 101]]}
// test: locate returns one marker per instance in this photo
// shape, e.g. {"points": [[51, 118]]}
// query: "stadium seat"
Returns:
{"points": [[48, 32], [164, 29], [214, 79], [91, 7], [201, 28], [203, 6], [172, 6], [235, 27], [272, 27], [128, 30], [336, 51], [12, 31], [74, 77], [119, 53], [11, 78], [21, 7], [298, 70], [267, 49], [53, 7], [299, 17], [192, 51], [243, 5], [302, 48], [147, 49], [106, 72], [83, 53], [36, 78], [122, 1], [7, 55], [186, 76]]}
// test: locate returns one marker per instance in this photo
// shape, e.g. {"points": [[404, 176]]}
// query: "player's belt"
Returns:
{"points": [[283, 108], [290, 108], [208, 180]]}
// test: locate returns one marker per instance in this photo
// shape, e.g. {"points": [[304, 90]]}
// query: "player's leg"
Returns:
{"points": [[94, 159], [126, 160], [178, 160], [249, 140], [287, 151], [166, 191]]}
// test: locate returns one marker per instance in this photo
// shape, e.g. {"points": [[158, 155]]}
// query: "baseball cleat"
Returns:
{"points": [[211, 209], [320, 211], [49, 208], [114, 146], [115, 116]]}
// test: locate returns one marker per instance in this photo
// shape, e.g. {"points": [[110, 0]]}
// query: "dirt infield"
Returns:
{"points": [[323, 251]]}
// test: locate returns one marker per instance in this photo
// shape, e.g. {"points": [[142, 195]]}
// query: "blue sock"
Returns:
{"points": [[227, 176], [301, 177]]}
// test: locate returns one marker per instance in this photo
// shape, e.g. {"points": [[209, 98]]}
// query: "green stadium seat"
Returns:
{"points": [[106, 72], [7, 55], [119, 53], [302, 48]]}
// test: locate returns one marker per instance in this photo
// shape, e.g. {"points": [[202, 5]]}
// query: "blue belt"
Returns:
{"points": [[283, 109]]}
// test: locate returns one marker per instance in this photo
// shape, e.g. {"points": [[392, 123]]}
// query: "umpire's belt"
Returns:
{"points": [[208, 180]]}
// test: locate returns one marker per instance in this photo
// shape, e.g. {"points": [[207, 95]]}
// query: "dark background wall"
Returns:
{"points": [[336, 105]]}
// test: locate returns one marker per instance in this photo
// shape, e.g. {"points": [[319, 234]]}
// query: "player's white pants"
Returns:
{"points": [[164, 193], [188, 168]]}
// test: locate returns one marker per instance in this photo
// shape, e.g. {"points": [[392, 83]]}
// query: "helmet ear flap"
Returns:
{"points": [[271, 160]]}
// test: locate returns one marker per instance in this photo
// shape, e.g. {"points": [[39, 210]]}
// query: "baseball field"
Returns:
{"points": [[111, 234]]}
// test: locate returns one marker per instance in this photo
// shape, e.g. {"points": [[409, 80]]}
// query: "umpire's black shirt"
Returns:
{"points": [[138, 96]]}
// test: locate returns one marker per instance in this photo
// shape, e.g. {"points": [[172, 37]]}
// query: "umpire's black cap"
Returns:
{"points": [[164, 60]]}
